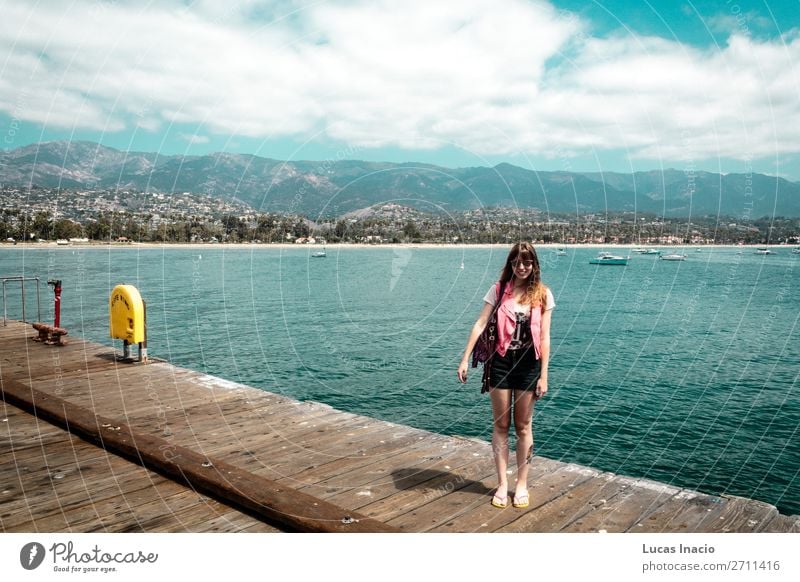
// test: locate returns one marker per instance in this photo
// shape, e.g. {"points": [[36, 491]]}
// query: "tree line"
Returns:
{"points": [[272, 228]]}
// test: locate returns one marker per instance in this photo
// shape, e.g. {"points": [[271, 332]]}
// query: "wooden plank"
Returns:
{"points": [[292, 420], [301, 439], [83, 485], [249, 404], [29, 359], [103, 487], [426, 486], [225, 520], [96, 449], [13, 328], [306, 461], [144, 503], [258, 452], [187, 513], [353, 437], [465, 496], [56, 517], [180, 511], [76, 464], [686, 511], [17, 433], [357, 454], [93, 481], [740, 515], [129, 391], [13, 487], [16, 422], [555, 512], [79, 365], [466, 504], [234, 521], [280, 455], [258, 528], [783, 524], [328, 437], [227, 440], [49, 454], [291, 509], [547, 480], [102, 514], [622, 502], [421, 480], [354, 477], [109, 388], [200, 419], [91, 512], [204, 423]]}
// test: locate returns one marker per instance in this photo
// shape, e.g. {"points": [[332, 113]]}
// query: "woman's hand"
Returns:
{"points": [[541, 387], [462, 372]]}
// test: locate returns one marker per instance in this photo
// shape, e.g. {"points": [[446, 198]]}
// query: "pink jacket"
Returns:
{"points": [[507, 321]]}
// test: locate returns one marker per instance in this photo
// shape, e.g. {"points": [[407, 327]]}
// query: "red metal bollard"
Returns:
{"points": [[56, 283], [52, 334]]}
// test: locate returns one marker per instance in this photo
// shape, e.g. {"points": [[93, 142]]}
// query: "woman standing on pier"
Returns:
{"points": [[518, 373]]}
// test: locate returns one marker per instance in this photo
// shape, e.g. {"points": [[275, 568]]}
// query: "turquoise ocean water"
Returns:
{"points": [[682, 372]]}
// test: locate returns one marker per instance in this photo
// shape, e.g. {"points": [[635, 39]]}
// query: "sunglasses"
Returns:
{"points": [[521, 263]]}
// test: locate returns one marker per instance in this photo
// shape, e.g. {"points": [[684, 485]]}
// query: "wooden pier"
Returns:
{"points": [[92, 444]]}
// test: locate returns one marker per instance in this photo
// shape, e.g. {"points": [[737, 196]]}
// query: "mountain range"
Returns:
{"points": [[335, 187]]}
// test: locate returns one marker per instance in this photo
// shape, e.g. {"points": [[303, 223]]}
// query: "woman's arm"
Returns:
{"points": [[477, 329], [544, 352]]}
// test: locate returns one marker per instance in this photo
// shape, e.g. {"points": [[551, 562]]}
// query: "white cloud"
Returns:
{"points": [[492, 77], [194, 138]]}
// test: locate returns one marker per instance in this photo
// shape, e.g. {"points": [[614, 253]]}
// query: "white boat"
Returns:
{"points": [[651, 252], [796, 251], [319, 254], [605, 258], [673, 257], [561, 252], [764, 251]]}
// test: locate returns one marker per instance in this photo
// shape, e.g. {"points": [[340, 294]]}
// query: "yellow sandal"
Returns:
{"points": [[500, 502]]}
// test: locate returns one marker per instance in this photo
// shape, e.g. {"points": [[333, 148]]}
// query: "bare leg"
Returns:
{"points": [[501, 412], [523, 426]]}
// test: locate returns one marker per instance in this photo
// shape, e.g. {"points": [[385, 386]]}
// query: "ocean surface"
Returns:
{"points": [[682, 372]]}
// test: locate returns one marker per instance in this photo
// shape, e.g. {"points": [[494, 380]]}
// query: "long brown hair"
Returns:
{"points": [[536, 292]]}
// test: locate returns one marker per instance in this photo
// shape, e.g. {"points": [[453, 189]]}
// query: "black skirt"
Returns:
{"points": [[517, 370]]}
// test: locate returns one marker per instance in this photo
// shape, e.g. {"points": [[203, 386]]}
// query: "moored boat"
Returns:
{"points": [[605, 258], [673, 257]]}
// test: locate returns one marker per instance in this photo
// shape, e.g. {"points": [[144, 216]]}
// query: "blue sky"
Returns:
{"points": [[560, 85]]}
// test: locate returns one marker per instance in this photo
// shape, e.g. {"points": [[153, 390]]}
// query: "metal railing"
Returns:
{"points": [[21, 280]]}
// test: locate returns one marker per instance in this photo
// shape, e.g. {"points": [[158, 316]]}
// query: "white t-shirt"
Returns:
{"points": [[491, 299]]}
